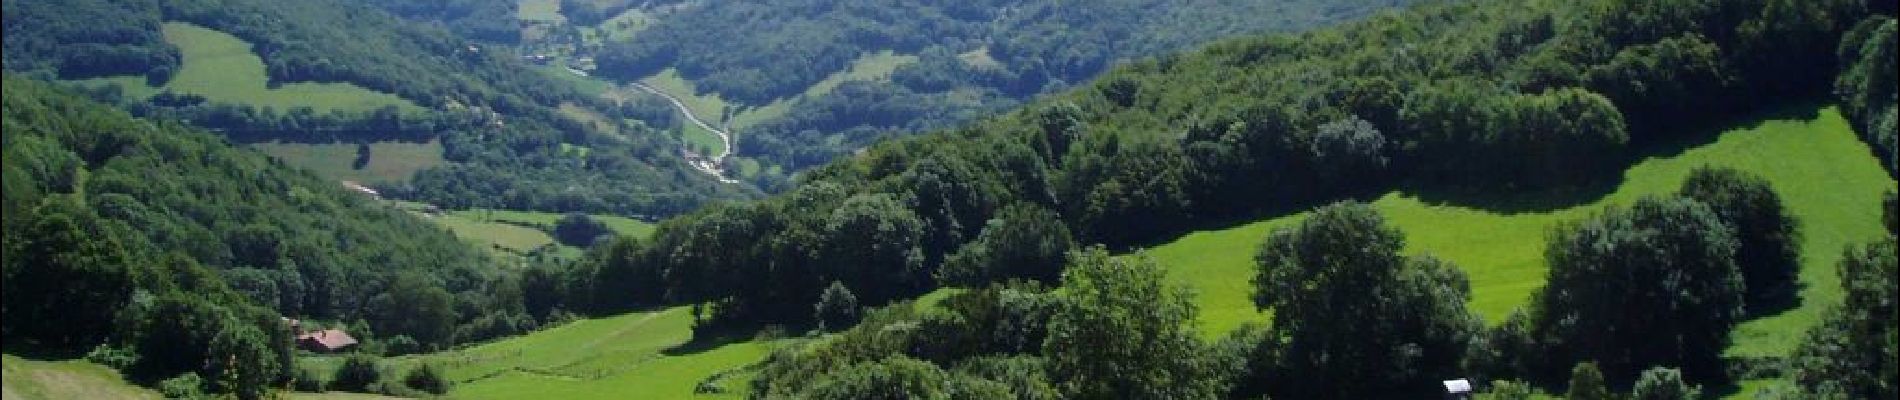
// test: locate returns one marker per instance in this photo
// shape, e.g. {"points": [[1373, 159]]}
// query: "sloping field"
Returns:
{"points": [[644, 355], [389, 162], [25, 379], [1827, 178], [222, 68]]}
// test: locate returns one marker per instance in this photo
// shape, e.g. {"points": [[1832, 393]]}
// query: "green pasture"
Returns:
{"points": [[389, 162], [1826, 177], [25, 379], [222, 68]]}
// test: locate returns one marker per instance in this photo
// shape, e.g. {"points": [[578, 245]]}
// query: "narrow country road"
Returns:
{"points": [[711, 165]]}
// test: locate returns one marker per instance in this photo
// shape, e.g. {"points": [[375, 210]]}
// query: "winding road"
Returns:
{"points": [[710, 165]]}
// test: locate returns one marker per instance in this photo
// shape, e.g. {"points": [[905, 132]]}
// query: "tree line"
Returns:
{"points": [[497, 116], [165, 251], [1443, 99]]}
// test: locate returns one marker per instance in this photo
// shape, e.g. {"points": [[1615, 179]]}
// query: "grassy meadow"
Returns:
{"points": [[389, 162], [26, 379], [1825, 176], [222, 68], [645, 355]]}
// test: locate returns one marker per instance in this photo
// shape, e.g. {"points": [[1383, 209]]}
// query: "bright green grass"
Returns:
{"points": [[632, 356], [1826, 177], [499, 236], [223, 68], [588, 85], [710, 106], [623, 26], [621, 225], [539, 10], [589, 117], [389, 162], [25, 379]]}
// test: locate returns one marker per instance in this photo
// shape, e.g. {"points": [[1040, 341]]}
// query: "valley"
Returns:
{"points": [[985, 199]]}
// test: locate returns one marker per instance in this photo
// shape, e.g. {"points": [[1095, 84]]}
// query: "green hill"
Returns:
{"points": [[223, 68], [1828, 179]]}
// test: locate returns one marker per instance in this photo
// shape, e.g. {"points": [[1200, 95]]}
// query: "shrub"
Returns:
{"points": [[426, 378], [185, 386], [358, 374]]}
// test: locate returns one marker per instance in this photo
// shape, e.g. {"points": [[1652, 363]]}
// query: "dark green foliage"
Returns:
{"points": [[490, 20], [307, 380], [1026, 376], [1352, 317], [1471, 135], [1661, 383], [900, 378], [89, 38], [837, 308], [1866, 85], [359, 373], [417, 308], [293, 243], [1007, 319], [427, 379], [1768, 246], [495, 115], [579, 230], [67, 275], [1653, 284], [1586, 383], [243, 360], [1853, 353], [1508, 390], [1024, 241], [873, 243], [186, 386], [1120, 332]]}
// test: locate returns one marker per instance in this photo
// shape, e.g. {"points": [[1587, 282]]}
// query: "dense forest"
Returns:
{"points": [[496, 115], [162, 250], [975, 57], [165, 251], [1446, 100]]}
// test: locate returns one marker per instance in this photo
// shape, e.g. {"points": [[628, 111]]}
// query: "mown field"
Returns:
{"points": [[389, 162], [223, 68], [1825, 176], [25, 379], [520, 233], [646, 355]]}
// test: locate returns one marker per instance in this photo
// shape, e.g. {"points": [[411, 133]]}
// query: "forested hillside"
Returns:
{"points": [[972, 58], [1458, 102], [498, 119], [163, 250]]}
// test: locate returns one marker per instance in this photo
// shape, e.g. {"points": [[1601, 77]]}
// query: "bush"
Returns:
{"points": [[1664, 384], [1769, 252], [837, 308], [1509, 390], [358, 374], [307, 380], [185, 386], [116, 357], [426, 378]]}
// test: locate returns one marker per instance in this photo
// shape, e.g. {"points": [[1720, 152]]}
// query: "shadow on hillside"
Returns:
{"points": [[1601, 184], [36, 352], [700, 345]]}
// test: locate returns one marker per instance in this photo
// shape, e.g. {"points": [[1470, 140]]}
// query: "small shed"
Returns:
{"points": [[325, 341], [1457, 389]]}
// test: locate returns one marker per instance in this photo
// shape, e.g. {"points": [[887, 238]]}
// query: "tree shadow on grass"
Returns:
{"points": [[701, 344], [1653, 144]]}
